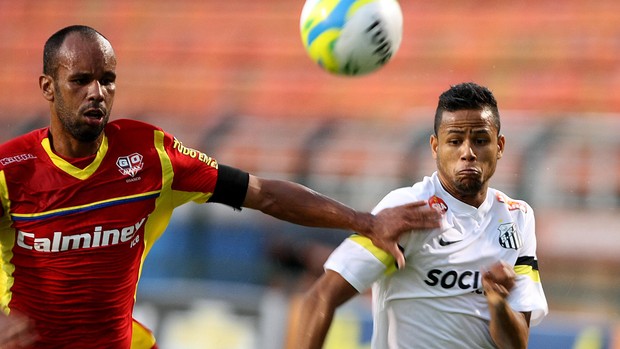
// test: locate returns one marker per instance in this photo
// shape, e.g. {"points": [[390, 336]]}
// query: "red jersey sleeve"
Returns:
{"points": [[194, 171]]}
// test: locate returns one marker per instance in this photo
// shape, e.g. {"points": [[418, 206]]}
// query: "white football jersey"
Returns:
{"points": [[437, 300]]}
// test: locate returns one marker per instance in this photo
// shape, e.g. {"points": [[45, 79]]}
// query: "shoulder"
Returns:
{"points": [[510, 204], [22, 148], [26, 140], [422, 190], [124, 125], [127, 131]]}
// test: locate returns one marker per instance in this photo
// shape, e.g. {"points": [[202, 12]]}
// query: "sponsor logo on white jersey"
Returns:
{"points": [[463, 279], [97, 238], [512, 204], [438, 204]]}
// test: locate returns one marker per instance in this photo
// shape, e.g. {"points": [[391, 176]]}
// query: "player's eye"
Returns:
{"points": [[108, 79], [80, 80]]}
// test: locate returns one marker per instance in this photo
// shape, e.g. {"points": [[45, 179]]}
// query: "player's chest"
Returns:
{"points": [[471, 241], [46, 185]]}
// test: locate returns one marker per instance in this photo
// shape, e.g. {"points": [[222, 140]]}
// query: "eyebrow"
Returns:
{"points": [[83, 74], [460, 131]]}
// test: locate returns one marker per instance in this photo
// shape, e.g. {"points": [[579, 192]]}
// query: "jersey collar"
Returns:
{"points": [[74, 171], [459, 207]]}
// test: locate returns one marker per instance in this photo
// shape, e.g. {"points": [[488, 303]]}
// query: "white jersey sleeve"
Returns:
{"points": [[528, 294], [359, 262]]}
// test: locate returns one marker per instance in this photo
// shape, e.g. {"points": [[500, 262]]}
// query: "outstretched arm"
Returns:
{"points": [[509, 328], [300, 205], [313, 315]]}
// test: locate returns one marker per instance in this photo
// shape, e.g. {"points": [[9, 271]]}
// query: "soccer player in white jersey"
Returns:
{"points": [[473, 282]]}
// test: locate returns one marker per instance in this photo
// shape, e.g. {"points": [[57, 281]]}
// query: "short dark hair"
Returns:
{"points": [[53, 44], [467, 95]]}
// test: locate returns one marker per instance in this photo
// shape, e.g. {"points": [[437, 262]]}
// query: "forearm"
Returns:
{"points": [[311, 324], [316, 310], [298, 204], [509, 329]]}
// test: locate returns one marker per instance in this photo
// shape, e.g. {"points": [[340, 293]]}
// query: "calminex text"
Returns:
{"points": [[98, 237]]}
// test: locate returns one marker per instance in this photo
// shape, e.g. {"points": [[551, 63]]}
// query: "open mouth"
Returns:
{"points": [[95, 113]]}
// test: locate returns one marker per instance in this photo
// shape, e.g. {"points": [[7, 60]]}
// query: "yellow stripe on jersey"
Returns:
{"points": [[529, 271], [81, 208], [384, 257], [7, 241], [141, 337], [164, 205], [69, 168]]}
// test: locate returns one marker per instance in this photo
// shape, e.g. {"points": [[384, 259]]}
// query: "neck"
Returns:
{"points": [[67, 146], [473, 200]]}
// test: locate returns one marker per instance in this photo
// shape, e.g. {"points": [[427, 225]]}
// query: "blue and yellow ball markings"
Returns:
{"points": [[322, 29], [327, 15]]}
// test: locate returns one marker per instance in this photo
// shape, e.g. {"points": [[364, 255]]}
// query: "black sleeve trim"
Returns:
{"points": [[527, 260], [231, 186]]}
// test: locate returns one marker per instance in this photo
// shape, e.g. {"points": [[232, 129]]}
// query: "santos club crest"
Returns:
{"points": [[509, 237]]}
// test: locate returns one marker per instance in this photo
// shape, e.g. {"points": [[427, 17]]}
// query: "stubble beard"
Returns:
{"points": [[463, 187], [71, 121], [468, 186]]}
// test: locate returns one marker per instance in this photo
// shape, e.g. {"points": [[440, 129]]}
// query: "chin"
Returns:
{"points": [[469, 187], [89, 136]]}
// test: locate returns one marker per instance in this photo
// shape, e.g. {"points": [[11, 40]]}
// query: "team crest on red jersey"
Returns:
{"points": [[512, 204], [130, 165], [438, 204]]}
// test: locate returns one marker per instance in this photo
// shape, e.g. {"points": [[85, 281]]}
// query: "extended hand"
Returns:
{"points": [[497, 281], [391, 223]]}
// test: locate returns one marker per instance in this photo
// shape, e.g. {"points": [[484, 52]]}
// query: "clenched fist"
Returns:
{"points": [[497, 281]]}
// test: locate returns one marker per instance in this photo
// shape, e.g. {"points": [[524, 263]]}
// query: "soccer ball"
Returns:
{"points": [[351, 37]]}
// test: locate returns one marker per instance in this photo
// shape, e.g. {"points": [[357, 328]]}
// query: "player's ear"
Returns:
{"points": [[46, 83], [501, 142], [434, 142]]}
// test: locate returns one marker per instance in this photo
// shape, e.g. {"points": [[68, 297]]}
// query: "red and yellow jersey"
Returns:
{"points": [[73, 239]]}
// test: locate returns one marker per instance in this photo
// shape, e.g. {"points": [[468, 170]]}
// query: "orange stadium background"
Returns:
{"points": [[232, 79]]}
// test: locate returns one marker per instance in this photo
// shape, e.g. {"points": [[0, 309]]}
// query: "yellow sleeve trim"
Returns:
{"points": [[384, 257], [527, 270]]}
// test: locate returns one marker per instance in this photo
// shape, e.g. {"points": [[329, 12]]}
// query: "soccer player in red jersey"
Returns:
{"points": [[83, 201]]}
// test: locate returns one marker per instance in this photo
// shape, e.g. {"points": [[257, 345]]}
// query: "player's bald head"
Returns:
{"points": [[54, 44]]}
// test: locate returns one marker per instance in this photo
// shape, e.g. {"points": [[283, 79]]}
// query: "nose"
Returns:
{"points": [[467, 152], [95, 91]]}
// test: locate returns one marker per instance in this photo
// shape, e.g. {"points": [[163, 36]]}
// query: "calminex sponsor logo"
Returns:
{"points": [[97, 238]]}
